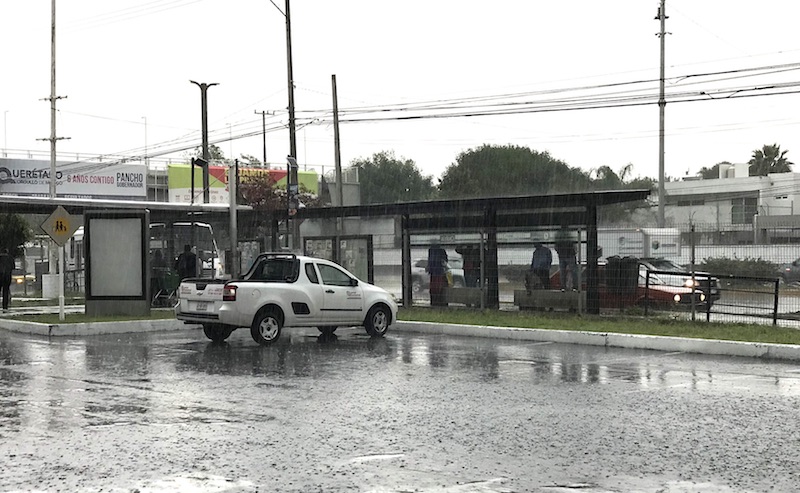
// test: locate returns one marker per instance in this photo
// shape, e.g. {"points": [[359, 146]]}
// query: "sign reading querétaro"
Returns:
{"points": [[180, 178], [31, 177]]}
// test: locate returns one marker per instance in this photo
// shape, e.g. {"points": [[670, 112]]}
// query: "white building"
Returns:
{"points": [[736, 208]]}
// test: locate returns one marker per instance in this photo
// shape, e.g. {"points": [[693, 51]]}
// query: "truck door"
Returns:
{"points": [[342, 302]]}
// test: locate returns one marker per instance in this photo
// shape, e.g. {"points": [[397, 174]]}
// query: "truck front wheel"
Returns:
{"points": [[217, 332], [377, 321], [266, 326]]}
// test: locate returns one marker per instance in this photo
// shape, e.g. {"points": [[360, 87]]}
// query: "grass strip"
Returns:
{"points": [[656, 326]]}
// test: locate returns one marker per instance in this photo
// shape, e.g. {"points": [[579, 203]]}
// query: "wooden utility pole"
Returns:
{"points": [[264, 133]]}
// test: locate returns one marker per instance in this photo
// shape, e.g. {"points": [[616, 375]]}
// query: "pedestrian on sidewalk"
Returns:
{"points": [[6, 269]]}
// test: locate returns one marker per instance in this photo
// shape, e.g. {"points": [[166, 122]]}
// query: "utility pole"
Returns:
{"points": [[53, 139], [336, 144], [264, 133], [204, 116], [662, 104], [337, 160], [233, 187], [291, 178]]}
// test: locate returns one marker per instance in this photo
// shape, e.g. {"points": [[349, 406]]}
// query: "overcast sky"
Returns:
{"points": [[125, 66]]}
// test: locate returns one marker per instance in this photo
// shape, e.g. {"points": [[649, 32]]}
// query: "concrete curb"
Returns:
{"points": [[630, 341], [94, 328], [789, 352]]}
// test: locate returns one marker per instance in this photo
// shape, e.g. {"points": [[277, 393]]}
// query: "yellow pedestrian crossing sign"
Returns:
{"points": [[60, 226]]}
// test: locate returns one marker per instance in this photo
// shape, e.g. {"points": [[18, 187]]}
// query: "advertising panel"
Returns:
{"points": [[180, 182], [83, 180]]}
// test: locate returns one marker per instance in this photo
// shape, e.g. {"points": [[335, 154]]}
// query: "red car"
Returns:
{"points": [[624, 291]]}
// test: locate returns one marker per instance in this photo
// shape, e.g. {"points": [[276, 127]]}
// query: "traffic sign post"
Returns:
{"points": [[60, 226]]}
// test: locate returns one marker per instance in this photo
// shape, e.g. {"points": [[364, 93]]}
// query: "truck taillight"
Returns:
{"points": [[229, 293]]}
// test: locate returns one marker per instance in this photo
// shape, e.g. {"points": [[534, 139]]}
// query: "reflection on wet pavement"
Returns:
{"points": [[174, 412]]}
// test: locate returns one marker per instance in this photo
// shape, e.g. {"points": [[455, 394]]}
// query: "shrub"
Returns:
{"points": [[749, 267]]}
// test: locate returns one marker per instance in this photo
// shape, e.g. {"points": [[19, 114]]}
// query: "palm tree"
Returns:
{"points": [[769, 159]]}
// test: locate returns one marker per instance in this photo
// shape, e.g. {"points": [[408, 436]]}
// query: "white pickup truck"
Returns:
{"points": [[285, 290]]}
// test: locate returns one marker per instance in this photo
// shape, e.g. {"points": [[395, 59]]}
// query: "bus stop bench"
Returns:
{"points": [[465, 296], [543, 299]]}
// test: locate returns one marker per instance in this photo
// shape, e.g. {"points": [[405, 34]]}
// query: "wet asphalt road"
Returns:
{"points": [[408, 413]]}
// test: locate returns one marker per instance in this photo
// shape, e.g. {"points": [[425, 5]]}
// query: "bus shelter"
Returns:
{"points": [[484, 222]]}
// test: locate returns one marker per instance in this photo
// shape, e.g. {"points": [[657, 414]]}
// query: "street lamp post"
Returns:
{"points": [[145, 139], [204, 116], [5, 134]]}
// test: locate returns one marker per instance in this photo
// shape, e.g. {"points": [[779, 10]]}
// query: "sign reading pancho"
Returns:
{"points": [[74, 179]]}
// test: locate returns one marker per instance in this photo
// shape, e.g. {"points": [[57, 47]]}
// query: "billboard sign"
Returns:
{"points": [[180, 182], [84, 180]]}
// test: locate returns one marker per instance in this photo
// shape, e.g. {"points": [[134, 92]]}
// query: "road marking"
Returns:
{"points": [[368, 458]]}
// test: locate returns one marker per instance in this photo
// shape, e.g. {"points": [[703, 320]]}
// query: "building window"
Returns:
{"points": [[743, 210], [691, 202]]}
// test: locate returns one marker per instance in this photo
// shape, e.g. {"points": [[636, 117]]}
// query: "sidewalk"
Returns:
{"points": [[8, 322], [788, 352]]}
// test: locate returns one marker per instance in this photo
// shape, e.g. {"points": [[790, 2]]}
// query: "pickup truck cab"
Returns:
{"points": [[286, 290]]}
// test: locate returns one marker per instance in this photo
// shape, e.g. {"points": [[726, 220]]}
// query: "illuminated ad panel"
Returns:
{"points": [[116, 245], [180, 182]]}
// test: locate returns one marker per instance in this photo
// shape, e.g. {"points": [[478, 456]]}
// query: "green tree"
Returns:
{"points": [[385, 179], [606, 179], [489, 171], [258, 190], [14, 233], [214, 153], [769, 159], [712, 172], [249, 160]]}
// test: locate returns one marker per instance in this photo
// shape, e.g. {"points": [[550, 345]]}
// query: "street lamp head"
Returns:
{"points": [[203, 85]]}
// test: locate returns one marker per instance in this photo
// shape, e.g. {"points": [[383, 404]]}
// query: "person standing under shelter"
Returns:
{"points": [[471, 256], [6, 269], [186, 265], [437, 269], [567, 258], [540, 264]]}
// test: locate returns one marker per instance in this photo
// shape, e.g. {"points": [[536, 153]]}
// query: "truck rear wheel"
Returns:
{"points": [[217, 332], [266, 326]]}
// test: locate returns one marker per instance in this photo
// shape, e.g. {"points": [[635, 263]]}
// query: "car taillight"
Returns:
{"points": [[229, 293]]}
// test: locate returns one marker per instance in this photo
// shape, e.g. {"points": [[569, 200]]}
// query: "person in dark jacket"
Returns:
{"points": [[471, 255], [567, 258], [186, 265], [437, 269], [6, 269], [540, 264]]}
